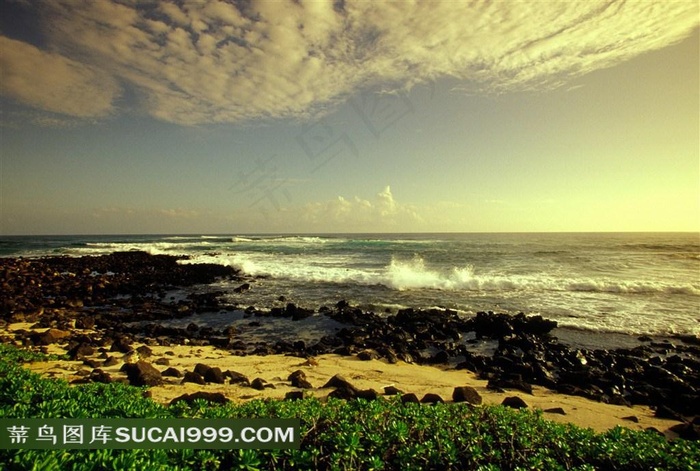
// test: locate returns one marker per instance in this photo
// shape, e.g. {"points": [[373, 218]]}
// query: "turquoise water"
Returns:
{"points": [[627, 283]]}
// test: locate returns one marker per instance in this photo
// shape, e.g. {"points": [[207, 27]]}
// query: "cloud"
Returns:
{"points": [[208, 61], [55, 83], [381, 213]]}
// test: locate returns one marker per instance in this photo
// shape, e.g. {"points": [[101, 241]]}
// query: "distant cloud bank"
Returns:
{"points": [[196, 61]]}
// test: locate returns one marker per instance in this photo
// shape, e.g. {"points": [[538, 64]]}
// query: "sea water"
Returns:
{"points": [[628, 283]]}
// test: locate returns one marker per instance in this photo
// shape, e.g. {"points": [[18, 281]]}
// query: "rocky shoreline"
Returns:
{"points": [[113, 302]]}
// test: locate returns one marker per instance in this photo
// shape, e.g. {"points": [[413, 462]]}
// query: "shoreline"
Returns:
{"points": [[84, 306], [372, 374]]}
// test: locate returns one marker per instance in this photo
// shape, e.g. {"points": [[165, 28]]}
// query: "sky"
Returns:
{"points": [[229, 117]]}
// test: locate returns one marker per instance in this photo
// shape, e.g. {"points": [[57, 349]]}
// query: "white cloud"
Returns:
{"points": [[207, 61], [382, 213], [55, 83]]}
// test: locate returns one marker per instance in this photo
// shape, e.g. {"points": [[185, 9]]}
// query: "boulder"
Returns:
{"points": [[110, 361], [298, 380], [142, 373], [260, 384], [144, 351], [236, 377], [192, 377], [392, 391], [514, 402], [81, 351], [216, 398], [409, 397], [366, 355], [99, 376], [431, 398], [340, 382], [201, 369], [466, 394], [294, 395], [172, 372], [214, 375]]}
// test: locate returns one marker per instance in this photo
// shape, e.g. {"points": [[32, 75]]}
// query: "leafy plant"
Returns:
{"points": [[368, 435]]}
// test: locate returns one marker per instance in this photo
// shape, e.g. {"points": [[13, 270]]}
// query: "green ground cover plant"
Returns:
{"points": [[336, 435]]}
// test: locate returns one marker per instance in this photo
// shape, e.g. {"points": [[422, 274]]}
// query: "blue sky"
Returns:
{"points": [[211, 117]]}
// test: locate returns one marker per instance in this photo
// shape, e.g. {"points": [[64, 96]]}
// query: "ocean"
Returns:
{"points": [[626, 283]]}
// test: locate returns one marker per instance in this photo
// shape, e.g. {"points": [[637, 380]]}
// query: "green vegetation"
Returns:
{"points": [[382, 434]]}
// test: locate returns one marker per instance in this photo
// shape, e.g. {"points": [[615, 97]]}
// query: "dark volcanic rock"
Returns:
{"points": [[110, 361], [556, 410], [192, 377], [392, 391], [366, 355], [144, 351], [409, 397], [99, 376], [294, 395], [216, 398], [260, 384], [142, 373], [201, 369], [514, 402], [172, 372], [298, 380], [214, 375], [236, 377], [431, 398], [121, 344], [466, 394], [48, 337], [339, 381], [687, 431], [81, 351]]}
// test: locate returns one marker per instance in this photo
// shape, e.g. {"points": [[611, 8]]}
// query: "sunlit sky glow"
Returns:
{"points": [[308, 116]]}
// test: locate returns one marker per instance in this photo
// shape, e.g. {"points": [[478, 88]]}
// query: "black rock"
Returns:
{"points": [[392, 391], [298, 380], [172, 372], [236, 377], [466, 394], [144, 351], [80, 351], [514, 402], [687, 431], [366, 355], [339, 381], [93, 363], [214, 375], [142, 373], [431, 398], [409, 397], [99, 376], [192, 377], [216, 398], [242, 288], [294, 395], [110, 361], [121, 344], [555, 410], [201, 369], [260, 384]]}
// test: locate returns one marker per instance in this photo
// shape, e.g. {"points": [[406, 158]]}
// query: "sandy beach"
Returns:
{"points": [[371, 374]]}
